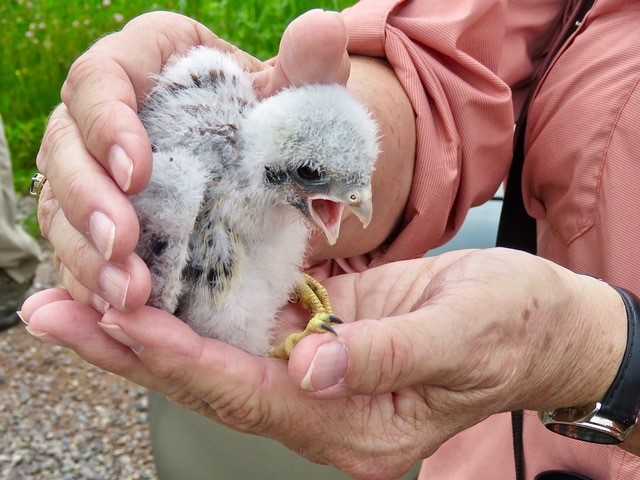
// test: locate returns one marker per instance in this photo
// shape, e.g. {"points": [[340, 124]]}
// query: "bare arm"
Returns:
{"points": [[374, 83]]}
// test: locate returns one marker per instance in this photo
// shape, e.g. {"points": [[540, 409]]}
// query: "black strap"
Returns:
{"points": [[516, 228], [621, 400], [517, 425]]}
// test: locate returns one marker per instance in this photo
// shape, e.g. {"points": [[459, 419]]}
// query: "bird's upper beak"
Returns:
{"points": [[327, 211]]}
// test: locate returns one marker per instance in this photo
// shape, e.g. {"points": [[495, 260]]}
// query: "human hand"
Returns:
{"points": [[95, 150], [430, 347]]}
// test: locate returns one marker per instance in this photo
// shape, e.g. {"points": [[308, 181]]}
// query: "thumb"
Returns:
{"points": [[313, 50], [371, 357]]}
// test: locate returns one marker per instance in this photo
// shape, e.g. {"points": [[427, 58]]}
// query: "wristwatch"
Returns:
{"points": [[611, 420]]}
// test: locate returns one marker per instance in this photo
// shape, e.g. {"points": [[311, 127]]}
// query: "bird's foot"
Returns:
{"points": [[319, 323], [313, 296]]}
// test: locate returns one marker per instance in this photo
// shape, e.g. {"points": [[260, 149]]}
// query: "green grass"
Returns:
{"points": [[39, 40]]}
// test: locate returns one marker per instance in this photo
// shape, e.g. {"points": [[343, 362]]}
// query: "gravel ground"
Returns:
{"points": [[61, 418]]}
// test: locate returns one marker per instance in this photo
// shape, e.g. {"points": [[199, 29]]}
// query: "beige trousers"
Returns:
{"points": [[19, 253]]}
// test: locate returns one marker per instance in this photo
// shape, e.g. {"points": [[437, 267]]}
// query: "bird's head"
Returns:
{"points": [[315, 147]]}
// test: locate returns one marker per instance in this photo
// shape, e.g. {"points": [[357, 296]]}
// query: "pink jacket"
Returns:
{"points": [[467, 67]]}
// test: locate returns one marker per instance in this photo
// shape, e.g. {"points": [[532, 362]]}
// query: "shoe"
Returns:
{"points": [[12, 294]]}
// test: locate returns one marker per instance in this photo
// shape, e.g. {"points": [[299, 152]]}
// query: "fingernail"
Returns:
{"points": [[99, 304], [121, 167], [119, 335], [103, 233], [46, 337], [19, 313], [114, 282], [328, 367]]}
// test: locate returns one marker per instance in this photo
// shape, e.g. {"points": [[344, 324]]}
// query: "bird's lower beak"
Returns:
{"points": [[364, 211], [327, 214]]}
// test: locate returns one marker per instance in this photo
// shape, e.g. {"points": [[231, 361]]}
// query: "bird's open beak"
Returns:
{"points": [[327, 212], [364, 211]]}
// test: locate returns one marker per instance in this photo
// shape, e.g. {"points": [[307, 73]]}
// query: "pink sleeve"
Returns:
{"points": [[457, 62], [446, 55]]}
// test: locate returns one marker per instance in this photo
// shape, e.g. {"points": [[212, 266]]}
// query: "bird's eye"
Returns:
{"points": [[310, 174]]}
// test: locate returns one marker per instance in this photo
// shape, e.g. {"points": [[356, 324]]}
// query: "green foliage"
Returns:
{"points": [[23, 138], [30, 223], [39, 39]]}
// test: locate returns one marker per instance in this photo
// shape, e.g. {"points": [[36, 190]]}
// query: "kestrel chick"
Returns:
{"points": [[237, 186]]}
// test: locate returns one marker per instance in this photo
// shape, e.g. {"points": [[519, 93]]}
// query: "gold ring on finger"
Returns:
{"points": [[37, 182]]}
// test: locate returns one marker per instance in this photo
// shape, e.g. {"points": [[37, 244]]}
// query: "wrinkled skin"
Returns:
{"points": [[425, 353]]}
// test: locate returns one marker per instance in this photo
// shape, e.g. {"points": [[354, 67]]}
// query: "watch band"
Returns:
{"points": [[611, 420], [622, 401]]}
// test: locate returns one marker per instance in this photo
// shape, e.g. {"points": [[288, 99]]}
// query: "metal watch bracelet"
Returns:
{"points": [[612, 419]]}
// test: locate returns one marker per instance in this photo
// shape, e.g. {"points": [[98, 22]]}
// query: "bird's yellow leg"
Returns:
{"points": [[319, 323], [312, 296]]}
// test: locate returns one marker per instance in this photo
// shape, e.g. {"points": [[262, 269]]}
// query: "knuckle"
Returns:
{"points": [[149, 19], [48, 208], [69, 282], [58, 131], [190, 401], [98, 113], [69, 86], [76, 187], [168, 371], [183, 398], [239, 409], [174, 370], [388, 362], [244, 414], [101, 116], [119, 364], [244, 410], [173, 30], [77, 258], [399, 359], [84, 66]]}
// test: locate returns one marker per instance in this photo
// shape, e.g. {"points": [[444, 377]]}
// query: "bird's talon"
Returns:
{"points": [[326, 327], [319, 323]]}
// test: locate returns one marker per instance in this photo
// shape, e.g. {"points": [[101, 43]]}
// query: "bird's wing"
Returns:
{"points": [[197, 104], [167, 209], [191, 117]]}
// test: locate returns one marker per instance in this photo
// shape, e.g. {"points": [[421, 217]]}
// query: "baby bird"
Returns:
{"points": [[237, 187]]}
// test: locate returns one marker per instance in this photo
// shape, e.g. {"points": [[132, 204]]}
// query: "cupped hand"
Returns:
{"points": [[95, 150], [429, 348]]}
